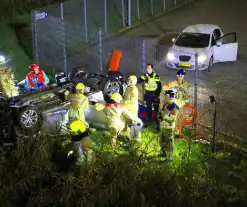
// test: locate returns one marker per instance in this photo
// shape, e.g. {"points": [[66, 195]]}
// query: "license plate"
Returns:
{"points": [[185, 64]]}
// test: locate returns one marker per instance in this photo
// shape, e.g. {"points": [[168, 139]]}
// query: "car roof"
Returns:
{"points": [[201, 28]]}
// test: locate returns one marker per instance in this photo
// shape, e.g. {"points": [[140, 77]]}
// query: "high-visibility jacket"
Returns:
{"points": [[183, 89], [78, 100], [169, 114], [131, 99], [151, 81], [36, 81], [116, 114]]}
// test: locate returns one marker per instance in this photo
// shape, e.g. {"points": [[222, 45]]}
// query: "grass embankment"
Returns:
{"points": [[133, 177]]}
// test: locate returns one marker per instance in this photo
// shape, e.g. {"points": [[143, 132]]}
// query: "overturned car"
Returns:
{"points": [[47, 109]]}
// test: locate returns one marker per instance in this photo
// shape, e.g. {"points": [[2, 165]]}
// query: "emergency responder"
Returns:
{"points": [[82, 143], [130, 99], [116, 113], [78, 103], [36, 78], [180, 88], [152, 90], [167, 115]]}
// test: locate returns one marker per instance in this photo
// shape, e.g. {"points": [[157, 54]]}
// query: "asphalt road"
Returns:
{"points": [[232, 89]]}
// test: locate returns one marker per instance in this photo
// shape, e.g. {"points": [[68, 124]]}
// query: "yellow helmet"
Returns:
{"points": [[132, 79], [77, 127], [79, 87], [116, 97]]}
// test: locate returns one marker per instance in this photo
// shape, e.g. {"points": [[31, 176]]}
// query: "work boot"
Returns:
{"points": [[170, 157], [114, 142]]}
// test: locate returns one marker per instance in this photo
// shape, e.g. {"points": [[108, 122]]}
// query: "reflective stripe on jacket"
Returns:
{"points": [[115, 114], [78, 100], [131, 98], [151, 84], [168, 117]]}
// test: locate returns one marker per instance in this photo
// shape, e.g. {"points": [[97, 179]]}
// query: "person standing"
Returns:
{"points": [[168, 116], [152, 89], [36, 78], [78, 103]]}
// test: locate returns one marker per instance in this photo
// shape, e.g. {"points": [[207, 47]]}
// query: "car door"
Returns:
{"points": [[226, 48]]}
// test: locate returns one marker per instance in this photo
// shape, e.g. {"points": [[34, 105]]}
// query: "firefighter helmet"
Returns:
{"points": [[34, 67], [132, 79], [77, 127], [116, 97], [79, 87], [181, 72]]}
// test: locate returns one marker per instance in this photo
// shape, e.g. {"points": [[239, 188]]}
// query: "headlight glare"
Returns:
{"points": [[2, 59], [202, 58], [170, 56]]}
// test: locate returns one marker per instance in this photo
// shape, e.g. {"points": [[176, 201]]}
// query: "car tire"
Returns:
{"points": [[78, 74], [210, 64], [30, 120], [93, 83], [3, 101], [109, 86]]}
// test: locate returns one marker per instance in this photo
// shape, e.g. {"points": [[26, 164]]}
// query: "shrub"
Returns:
{"points": [[29, 178]]}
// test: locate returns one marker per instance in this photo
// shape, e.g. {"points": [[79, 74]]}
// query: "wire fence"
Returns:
{"points": [[71, 27], [64, 39]]}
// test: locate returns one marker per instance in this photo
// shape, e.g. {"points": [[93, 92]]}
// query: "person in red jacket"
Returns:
{"points": [[36, 78]]}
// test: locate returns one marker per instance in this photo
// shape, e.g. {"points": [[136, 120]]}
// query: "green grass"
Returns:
{"points": [[124, 177]]}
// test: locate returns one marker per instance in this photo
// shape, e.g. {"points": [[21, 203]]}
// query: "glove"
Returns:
{"points": [[99, 106]]}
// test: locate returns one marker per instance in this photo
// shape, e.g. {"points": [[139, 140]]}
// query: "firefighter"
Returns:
{"points": [[180, 88], [36, 78], [78, 103], [116, 113], [167, 116], [151, 91], [82, 143], [130, 99]]}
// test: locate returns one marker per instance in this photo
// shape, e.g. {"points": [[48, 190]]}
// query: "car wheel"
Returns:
{"points": [[3, 101], [78, 74], [210, 64], [30, 120], [109, 86]]}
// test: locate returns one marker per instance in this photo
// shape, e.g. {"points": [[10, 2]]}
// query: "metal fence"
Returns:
{"points": [[70, 28]]}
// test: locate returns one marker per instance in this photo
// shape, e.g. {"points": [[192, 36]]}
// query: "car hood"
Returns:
{"points": [[189, 50]]}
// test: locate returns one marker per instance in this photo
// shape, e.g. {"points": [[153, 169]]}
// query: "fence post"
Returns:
{"points": [[63, 38], [138, 9], [129, 13], [164, 4], [196, 84], [85, 21], [123, 14], [175, 3], [34, 36], [100, 50], [105, 14], [144, 61], [152, 7]]}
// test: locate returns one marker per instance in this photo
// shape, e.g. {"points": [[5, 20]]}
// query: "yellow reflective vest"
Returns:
{"points": [[115, 114], [131, 98], [78, 100], [183, 89], [151, 84], [168, 118]]}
